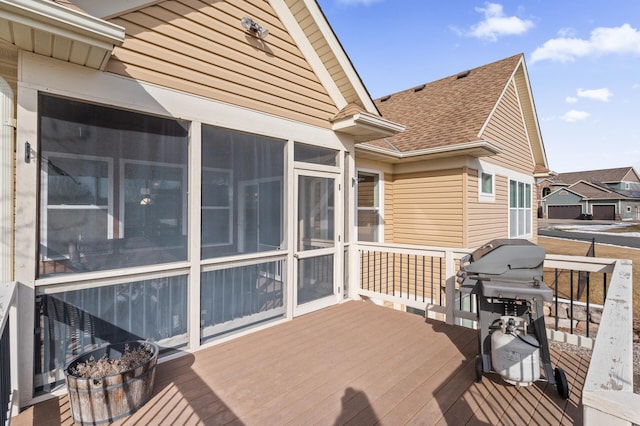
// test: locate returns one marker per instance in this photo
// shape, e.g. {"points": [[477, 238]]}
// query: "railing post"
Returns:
{"points": [[450, 287]]}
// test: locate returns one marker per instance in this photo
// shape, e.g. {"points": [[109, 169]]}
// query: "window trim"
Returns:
{"points": [[486, 197], [518, 209], [379, 208], [229, 208], [44, 212]]}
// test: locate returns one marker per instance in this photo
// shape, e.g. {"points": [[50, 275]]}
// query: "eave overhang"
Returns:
{"points": [[47, 28], [366, 127], [476, 149]]}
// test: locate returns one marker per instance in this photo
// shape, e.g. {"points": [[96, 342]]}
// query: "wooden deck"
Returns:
{"points": [[355, 363]]}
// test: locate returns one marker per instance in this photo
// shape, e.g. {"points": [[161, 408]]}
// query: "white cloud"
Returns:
{"points": [[496, 23], [622, 40], [574, 115], [566, 32], [596, 94], [636, 86], [571, 100]]}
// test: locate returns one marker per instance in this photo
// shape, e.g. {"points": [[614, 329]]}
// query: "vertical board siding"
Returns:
{"points": [[428, 208], [507, 130], [199, 47], [487, 221]]}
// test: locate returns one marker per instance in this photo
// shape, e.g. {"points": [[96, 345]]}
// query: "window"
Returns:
{"points": [[113, 188], [242, 193], [315, 155], [520, 218], [486, 187], [217, 209], [75, 193], [546, 191], [369, 220]]}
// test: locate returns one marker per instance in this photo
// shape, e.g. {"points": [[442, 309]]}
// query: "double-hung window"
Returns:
{"points": [[369, 220], [520, 217]]}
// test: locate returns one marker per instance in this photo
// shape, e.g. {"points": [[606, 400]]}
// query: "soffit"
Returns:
{"points": [[53, 30]]}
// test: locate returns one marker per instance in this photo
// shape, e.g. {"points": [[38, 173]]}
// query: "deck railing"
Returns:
{"points": [[607, 395], [424, 279], [8, 361]]}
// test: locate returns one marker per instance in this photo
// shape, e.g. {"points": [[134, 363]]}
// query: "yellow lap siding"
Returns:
{"points": [[487, 221], [202, 49], [428, 208], [506, 129]]}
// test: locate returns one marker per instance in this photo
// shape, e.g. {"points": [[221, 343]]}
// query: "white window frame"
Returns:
{"points": [[486, 197], [44, 212], [379, 209], [525, 211], [229, 173]]}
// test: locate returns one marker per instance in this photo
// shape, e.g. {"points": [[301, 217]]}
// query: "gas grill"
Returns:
{"points": [[506, 277]]}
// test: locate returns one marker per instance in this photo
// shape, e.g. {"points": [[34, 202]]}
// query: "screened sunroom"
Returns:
{"points": [[172, 218]]}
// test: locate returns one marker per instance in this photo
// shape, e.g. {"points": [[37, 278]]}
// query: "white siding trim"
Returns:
{"points": [[495, 107], [380, 208], [307, 50], [6, 171], [341, 55], [70, 80]]}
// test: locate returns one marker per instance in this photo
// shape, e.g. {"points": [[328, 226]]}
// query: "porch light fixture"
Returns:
{"points": [[254, 28]]}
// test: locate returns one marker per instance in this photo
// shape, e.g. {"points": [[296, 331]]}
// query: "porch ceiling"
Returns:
{"points": [[53, 30], [354, 363]]}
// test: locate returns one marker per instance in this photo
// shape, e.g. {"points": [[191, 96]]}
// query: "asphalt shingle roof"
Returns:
{"points": [[446, 112], [603, 175]]}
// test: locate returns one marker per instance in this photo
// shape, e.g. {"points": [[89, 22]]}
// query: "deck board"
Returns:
{"points": [[354, 363]]}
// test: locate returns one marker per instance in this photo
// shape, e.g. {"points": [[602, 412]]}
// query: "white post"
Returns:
{"points": [[450, 289], [6, 181]]}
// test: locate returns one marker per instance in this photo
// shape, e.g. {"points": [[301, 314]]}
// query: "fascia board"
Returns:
{"points": [[296, 32], [106, 9], [485, 146], [369, 120], [56, 19], [341, 56]]}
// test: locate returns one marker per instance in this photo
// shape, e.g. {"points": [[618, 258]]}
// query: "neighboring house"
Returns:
{"points": [[175, 175], [607, 194], [463, 172]]}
